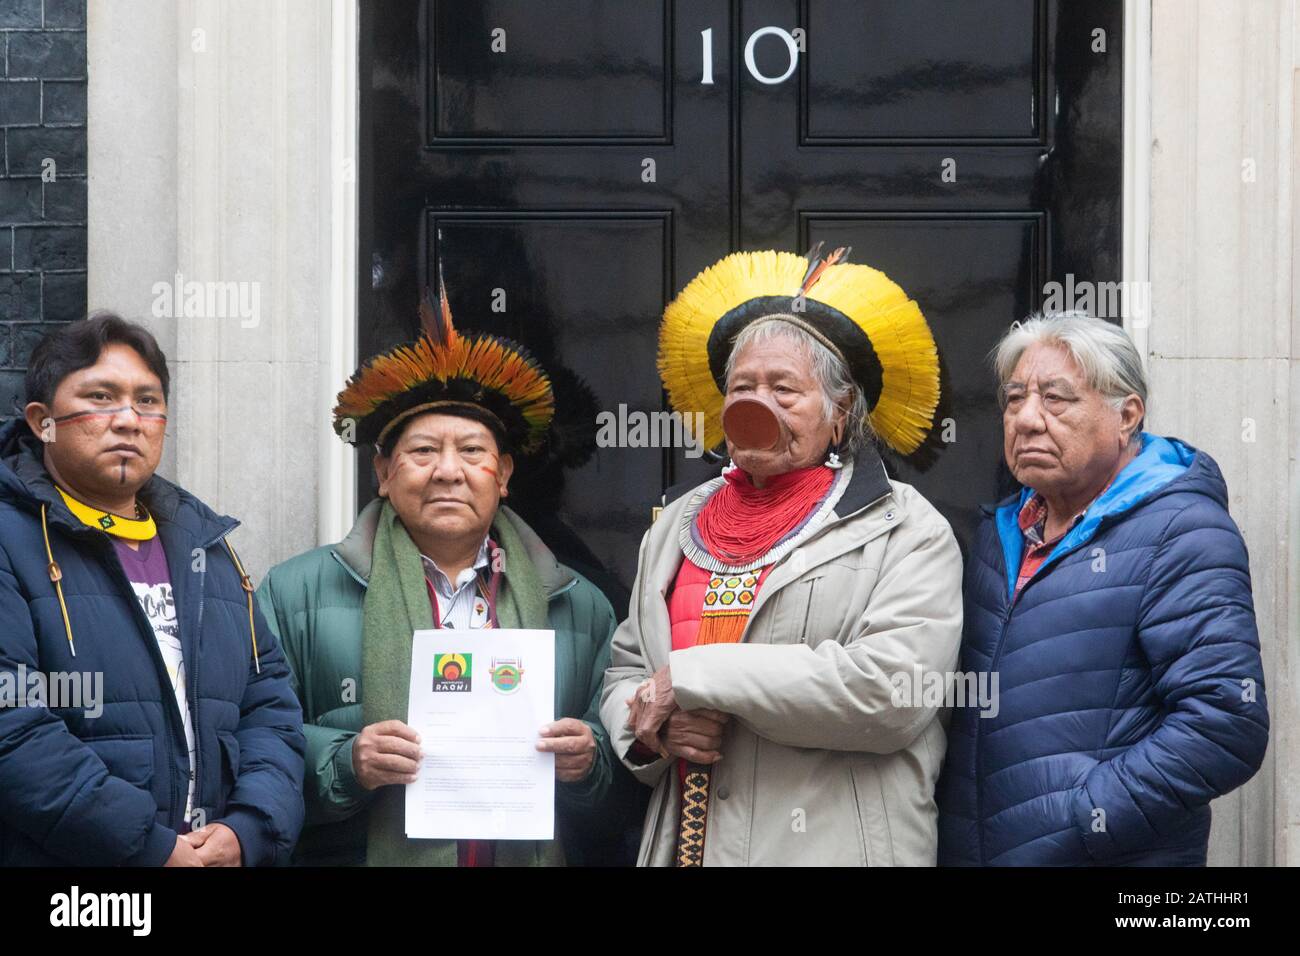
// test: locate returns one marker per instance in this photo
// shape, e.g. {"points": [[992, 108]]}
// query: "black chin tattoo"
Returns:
{"points": [[122, 480]]}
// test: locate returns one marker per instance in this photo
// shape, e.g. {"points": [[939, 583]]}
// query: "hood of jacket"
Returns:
{"points": [[1163, 466]]}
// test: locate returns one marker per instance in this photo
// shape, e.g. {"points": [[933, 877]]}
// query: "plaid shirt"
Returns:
{"points": [[1033, 525]]}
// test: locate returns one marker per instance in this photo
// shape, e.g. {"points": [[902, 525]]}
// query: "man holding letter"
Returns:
{"points": [[435, 550]]}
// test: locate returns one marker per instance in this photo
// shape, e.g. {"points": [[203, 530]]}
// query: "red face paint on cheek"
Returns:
{"points": [[489, 467], [86, 416], [399, 462]]}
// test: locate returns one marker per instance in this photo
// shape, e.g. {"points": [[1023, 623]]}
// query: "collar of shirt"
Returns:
{"points": [[1033, 518], [443, 584]]}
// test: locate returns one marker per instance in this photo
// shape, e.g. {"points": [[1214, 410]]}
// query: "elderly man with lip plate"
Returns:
{"points": [[752, 685], [1112, 596]]}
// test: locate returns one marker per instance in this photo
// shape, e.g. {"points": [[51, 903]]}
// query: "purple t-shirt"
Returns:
{"points": [[147, 566], [146, 569]]}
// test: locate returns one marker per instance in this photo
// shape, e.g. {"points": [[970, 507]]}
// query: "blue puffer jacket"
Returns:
{"points": [[1131, 691], [110, 789]]}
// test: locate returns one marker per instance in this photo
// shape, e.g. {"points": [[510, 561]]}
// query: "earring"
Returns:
{"points": [[731, 466], [833, 458]]}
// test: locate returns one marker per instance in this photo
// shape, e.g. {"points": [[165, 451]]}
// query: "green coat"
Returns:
{"points": [[314, 604]]}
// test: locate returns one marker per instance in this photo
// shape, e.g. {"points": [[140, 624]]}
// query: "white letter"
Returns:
{"points": [[790, 44], [990, 691], [606, 432], [143, 906], [97, 695], [161, 300], [250, 308], [59, 915]]}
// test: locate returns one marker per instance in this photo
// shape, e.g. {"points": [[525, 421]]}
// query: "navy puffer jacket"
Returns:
{"points": [[109, 789], [1130, 687]]}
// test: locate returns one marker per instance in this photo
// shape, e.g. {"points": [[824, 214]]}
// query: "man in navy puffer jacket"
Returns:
{"points": [[1111, 598], [146, 715]]}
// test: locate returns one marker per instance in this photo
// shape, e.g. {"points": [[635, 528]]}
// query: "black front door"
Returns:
{"points": [[573, 163]]}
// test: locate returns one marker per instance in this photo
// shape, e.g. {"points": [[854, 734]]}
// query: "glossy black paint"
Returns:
{"points": [[525, 172]]}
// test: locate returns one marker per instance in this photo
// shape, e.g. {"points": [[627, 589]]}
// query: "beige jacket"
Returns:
{"points": [[821, 764]]}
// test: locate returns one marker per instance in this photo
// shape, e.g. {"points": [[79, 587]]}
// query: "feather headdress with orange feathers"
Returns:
{"points": [[486, 377]]}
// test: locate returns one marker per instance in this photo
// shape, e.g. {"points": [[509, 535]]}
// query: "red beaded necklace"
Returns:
{"points": [[740, 522]]}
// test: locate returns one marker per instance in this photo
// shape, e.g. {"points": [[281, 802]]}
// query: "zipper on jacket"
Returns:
{"points": [[1055, 560], [979, 750], [170, 708], [192, 691]]}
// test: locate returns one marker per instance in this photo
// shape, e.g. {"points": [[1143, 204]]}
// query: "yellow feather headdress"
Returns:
{"points": [[485, 376], [855, 310]]}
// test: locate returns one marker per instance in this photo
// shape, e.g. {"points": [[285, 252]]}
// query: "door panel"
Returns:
{"points": [[580, 172], [564, 70], [883, 72], [576, 323], [588, 171], [962, 271], [952, 159]]}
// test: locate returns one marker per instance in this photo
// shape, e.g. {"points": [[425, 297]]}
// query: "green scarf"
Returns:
{"points": [[396, 605]]}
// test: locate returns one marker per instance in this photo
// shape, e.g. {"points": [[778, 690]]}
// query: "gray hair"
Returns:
{"points": [[1110, 363], [833, 378]]}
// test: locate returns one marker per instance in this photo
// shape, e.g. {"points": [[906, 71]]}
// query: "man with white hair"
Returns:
{"points": [[1112, 598]]}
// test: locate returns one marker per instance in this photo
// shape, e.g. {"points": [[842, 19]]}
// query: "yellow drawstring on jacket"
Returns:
{"points": [[246, 583], [56, 576]]}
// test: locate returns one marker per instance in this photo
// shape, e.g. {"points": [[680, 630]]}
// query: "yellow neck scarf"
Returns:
{"points": [[132, 529]]}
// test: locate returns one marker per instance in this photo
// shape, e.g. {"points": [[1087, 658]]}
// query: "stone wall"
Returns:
{"points": [[1224, 353], [211, 163], [42, 179]]}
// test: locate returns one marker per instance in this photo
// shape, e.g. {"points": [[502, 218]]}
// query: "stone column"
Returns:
{"points": [[1222, 343], [213, 169]]}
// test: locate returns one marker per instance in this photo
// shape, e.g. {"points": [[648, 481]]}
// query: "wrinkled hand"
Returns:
{"points": [[650, 706], [386, 753], [695, 735], [635, 705], [574, 746], [183, 854], [215, 845]]}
